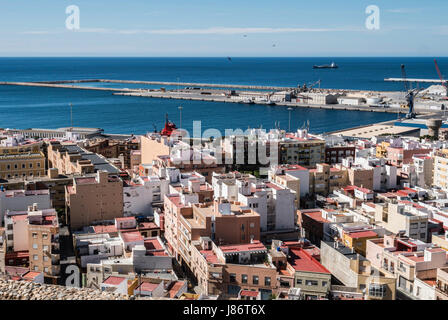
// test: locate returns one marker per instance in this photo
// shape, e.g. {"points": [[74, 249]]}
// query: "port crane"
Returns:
{"points": [[444, 83], [313, 84], [410, 94]]}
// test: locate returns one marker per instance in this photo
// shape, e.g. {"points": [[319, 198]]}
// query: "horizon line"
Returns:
{"points": [[224, 56]]}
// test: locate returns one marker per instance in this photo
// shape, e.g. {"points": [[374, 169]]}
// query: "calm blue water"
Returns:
{"points": [[25, 107]]}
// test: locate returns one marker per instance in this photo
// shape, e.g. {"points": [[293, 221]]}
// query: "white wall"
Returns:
{"points": [[284, 209], [137, 200]]}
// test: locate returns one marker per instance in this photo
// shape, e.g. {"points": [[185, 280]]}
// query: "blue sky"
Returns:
{"points": [[223, 28]]}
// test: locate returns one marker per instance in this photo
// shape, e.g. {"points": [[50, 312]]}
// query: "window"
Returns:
{"points": [[36, 268], [31, 165], [35, 257], [377, 290], [46, 270], [423, 235], [255, 279], [324, 283], [244, 278], [23, 166], [46, 258], [267, 281], [34, 235], [299, 281], [311, 282], [45, 248], [34, 245], [44, 236], [232, 277]]}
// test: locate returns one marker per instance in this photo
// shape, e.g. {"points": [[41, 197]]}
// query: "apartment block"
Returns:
{"points": [[93, 199], [223, 221], [141, 193], [325, 179], [441, 169], [228, 270], [69, 158], [355, 271], [405, 259], [20, 200], [400, 218], [22, 165], [36, 232]]}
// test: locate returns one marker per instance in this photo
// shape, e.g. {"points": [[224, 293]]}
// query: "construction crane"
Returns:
{"points": [[410, 94], [444, 83], [313, 84]]}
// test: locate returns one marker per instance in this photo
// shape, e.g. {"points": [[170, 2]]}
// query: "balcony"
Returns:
{"points": [[55, 258], [55, 270]]}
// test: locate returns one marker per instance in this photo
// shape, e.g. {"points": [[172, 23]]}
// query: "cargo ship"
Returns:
{"points": [[326, 66]]}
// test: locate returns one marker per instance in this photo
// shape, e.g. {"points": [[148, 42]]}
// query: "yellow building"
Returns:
{"points": [[325, 179], [440, 240], [441, 169], [358, 240], [22, 165], [381, 149]]}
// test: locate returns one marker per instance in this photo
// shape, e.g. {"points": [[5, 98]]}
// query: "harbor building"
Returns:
{"points": [[78, 132]]}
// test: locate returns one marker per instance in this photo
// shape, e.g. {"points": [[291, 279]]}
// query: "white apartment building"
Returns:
{"points": [[141, 193]]}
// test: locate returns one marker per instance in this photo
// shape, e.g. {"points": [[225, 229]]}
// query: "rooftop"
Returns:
{"points": [[114, 281], [131, 236], [362, 234], [147, 286], [255, 246], [300, 260]]}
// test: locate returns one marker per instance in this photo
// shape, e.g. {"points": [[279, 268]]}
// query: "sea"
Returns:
{"points": [[36, 107]]}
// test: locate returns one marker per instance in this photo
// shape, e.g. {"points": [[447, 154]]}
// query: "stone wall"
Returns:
{"points": [[24, 290]]}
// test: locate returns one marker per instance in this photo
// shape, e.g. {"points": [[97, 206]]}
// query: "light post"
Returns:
{"points": [[180, 117], [71, 117], [289, 125]]}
